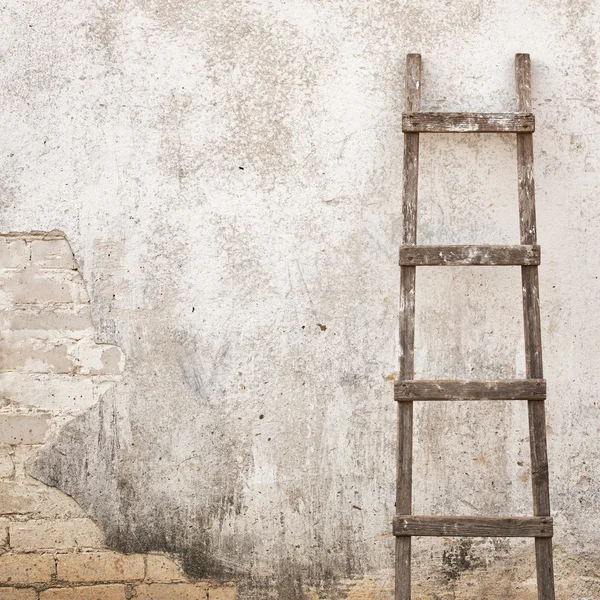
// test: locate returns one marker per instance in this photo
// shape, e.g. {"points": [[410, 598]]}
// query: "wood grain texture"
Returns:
{"points": [[527, 220], [507, 389], [533, 336], [408, 525], [407, 329], [531, 307], [469, 255], [454, 122], [545, 568]]}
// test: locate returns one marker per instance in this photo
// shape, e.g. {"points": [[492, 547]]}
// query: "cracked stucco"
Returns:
{"points": [[229, 177]]}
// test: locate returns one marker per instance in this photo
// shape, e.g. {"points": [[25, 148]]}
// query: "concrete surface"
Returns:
{"points": [[228, 175]]}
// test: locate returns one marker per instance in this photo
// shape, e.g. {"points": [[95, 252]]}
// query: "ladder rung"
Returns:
{"points": [[457, 122], [408, 525], [503, 389], [455, 256]]}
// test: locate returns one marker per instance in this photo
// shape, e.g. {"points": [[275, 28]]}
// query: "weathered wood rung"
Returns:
{"points": [[408, 525], [456, 256], [459, 122], [504, 389]]}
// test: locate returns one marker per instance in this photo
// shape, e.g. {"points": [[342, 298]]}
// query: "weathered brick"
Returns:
{"points": [[35, 287], [18, 498], [224, 592], [14, 253], [7, 466], [52, 254], [90, 592], [23, 429], [56, 393], [21, 454], [100, 566], [46, 321], [26, 568], [170, 591], [59, 356], [35, 535], [36, 356], [161, 568], [17, 594], [37, 500]]}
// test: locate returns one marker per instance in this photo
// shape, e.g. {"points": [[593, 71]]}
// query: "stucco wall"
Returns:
{"points": [[228, 175]]}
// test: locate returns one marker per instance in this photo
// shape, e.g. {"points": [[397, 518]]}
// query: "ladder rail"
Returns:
{"points": [[533, 333], [407, 328]]}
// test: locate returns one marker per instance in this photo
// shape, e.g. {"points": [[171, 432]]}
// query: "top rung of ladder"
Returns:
{"points": [[415, 121]]}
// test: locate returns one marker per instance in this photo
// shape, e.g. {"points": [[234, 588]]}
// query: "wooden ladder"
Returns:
{"points": [[532, 389]]}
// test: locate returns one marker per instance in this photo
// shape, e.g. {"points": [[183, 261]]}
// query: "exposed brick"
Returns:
{"points": [[170, 591], [225, 592], [21, 454], [59, 356], [7, 466], [44, 321], [60, 535], [26, 568], [52, 254], [18, 498], [100, 566], [56, 393], [90, 592], [13, 253], [35, 287], [36, 356], [37, 500], [162, 568], [17, 594], [23, 429]]}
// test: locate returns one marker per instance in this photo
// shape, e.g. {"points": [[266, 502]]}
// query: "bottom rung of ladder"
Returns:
{"points": [[409, 525], [503, 389]]}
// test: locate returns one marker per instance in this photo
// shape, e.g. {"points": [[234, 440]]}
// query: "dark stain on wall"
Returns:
{"points": [[460, 556], [95, 460]]}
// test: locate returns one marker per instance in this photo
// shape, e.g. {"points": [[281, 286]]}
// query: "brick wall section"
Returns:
{"points": [[51, 369]]}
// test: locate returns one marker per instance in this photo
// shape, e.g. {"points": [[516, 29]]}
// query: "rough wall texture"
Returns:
{"points": [[228, 174], [51, 371]]}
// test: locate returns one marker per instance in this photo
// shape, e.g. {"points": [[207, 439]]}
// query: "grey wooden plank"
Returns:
{"points": [[545, 568], [502, 389], [407, 328], [408, 525], [470, 255], [533, 338], [413, 83], [527, 220], [531, 308], [523, 81], [455, 122]]}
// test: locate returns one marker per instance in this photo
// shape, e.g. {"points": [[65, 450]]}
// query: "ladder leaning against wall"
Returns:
{"points": [[533, 389]]}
